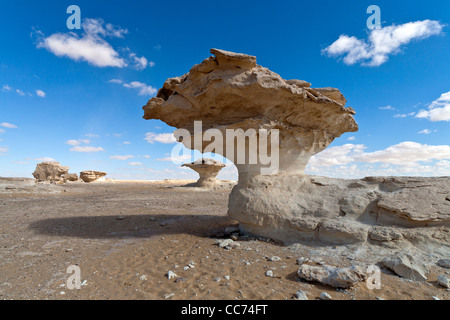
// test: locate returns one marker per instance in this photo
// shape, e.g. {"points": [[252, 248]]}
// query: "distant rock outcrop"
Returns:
{"points": [[92, 176], [230, 91], [50, 172], [208, 169], [70, 177]]}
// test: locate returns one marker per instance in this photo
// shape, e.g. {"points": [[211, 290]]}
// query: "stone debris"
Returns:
{"points": [[228, 244], [443, 281], [325, 296], [406, 266], [302, 260], [445, 263], [301, 295], [143, 277], [269, 273], [332, 276], [274, 258], [171, 275]]}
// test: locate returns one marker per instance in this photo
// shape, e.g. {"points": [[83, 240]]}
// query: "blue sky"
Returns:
{"points": [[75, 96]]}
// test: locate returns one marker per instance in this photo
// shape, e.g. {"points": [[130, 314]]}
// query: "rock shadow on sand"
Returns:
{"points": [[131, 226]]}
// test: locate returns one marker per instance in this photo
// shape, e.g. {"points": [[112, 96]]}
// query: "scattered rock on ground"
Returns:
{"points": [[332, 276], [406, 266], [443, 281], [301, 295], [325, 296], [445, 263]]}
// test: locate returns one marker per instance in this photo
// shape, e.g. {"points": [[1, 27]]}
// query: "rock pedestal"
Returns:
{"points": [[208, 169]]}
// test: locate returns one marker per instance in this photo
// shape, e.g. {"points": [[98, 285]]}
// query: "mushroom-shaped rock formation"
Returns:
{"points": [[208, 169], [50, 172], [92, 176], [230, 93]]}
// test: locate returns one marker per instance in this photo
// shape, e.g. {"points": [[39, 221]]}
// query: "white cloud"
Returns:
{"points": [[404, 115], [177, 159], [118, 81], [387, 108], [86, 149], [20, 162], [152, 137], [3, 149], [20, 92], [6, 88], [403, 153], [147, 157], [135, 164], [126, 142], [91, 46], [91, 49], [40, 93], [425, 131], [2, 131], [91, 135], [78, 142], [8, 125], [143, 89], [381, 42], [351, 138], [73, 142], [121, 157], [439, 110], [337, 155], [406, 158], [406, 153], [95, 27], [44, 159], [141, 63]]}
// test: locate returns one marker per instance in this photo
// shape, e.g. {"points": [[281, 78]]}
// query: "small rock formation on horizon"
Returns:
{"points": [[230, 91], [208, 169], [92, 176], [50, 172], [72, 177]]}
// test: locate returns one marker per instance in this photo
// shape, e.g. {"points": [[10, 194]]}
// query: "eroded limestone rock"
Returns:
{"points": [[332, 276], [50, 172], [406, 266], [70, 177], [208, 169], [230, 91], [92, 176]]}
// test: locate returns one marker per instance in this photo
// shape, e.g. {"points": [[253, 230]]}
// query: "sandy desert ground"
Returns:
{"points": [[125, 237]]}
